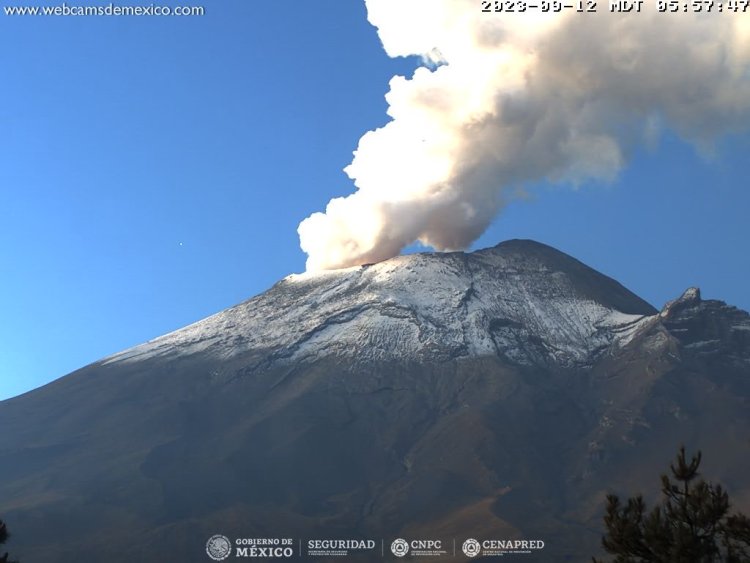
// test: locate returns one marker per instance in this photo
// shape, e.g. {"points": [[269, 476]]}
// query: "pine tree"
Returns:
{"points": [[692, 524], [3, 538]]}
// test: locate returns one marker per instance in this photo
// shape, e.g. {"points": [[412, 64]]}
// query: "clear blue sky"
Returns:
{"points": [[153, 171]]}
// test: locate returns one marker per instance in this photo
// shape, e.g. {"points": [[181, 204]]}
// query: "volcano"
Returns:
{"points": [[495, 394]]}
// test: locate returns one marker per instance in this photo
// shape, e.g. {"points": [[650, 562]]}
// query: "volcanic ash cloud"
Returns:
{"points": [[507, 99]]}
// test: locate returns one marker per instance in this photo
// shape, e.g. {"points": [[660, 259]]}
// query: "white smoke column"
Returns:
{"points": [[507, 99]]}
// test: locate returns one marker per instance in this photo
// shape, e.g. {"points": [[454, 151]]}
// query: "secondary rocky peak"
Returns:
{"points": [[707, 328], [689, 298]]}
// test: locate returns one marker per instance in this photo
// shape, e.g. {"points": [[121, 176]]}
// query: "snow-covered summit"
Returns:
{"points": [[521, 300]]}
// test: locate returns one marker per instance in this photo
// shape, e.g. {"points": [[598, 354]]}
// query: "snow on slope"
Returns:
{"points": [[522, 300]]}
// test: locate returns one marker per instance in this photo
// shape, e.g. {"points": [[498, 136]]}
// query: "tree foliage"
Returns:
{"points": [[692, 524], [4, 535]]}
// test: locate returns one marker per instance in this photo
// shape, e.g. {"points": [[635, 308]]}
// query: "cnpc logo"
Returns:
{"points": [[400, 547]]}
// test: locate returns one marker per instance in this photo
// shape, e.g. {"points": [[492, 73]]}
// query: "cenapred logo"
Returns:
{"points": [[218, 547], [471, 547], [400, 547]]}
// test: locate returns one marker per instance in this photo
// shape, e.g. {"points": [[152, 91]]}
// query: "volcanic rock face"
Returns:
{"points": [[497, 394]]}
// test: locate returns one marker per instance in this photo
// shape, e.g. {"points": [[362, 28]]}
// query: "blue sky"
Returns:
{"points": [[153, 171]]}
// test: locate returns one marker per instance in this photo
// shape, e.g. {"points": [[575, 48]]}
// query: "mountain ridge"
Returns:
{"points": [[389, 293]]}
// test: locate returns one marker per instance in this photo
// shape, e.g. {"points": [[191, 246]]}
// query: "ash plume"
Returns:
{"points": [[506, 99]]}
